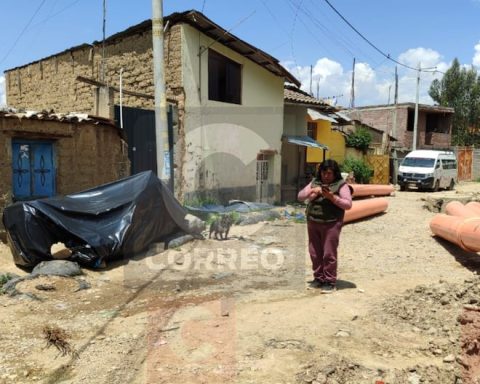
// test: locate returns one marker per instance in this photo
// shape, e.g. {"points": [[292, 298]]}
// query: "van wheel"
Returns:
{"points": [[436, 187], [452, 185], [403, 188]]}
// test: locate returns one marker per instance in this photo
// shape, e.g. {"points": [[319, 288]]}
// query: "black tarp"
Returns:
{"points": [[108, 222]]}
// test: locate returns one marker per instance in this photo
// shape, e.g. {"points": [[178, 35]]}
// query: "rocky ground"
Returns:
{"points": [[240, 311]]}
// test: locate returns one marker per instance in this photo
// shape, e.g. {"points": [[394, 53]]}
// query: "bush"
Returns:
{"points": [[361, 170], [360, 139]]}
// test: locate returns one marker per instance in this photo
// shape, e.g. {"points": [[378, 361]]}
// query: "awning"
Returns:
{"points": [[305, 141], [315, 115]]}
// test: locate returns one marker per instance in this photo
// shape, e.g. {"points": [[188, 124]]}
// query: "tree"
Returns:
{"points": [[460, 89], [360, 139]]}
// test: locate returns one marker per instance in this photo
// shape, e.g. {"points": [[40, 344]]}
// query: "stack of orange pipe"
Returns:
{"points": [[360, 190], [367, 207], [459, 225], [364, 208]]}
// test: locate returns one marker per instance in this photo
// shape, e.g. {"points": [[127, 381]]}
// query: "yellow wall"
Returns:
{"points": [[332, 139]]}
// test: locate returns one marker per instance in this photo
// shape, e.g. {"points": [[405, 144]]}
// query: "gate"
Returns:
{"points": [[465, 161], [381, 168], [262, 179], [33, 172], [139, 127]]}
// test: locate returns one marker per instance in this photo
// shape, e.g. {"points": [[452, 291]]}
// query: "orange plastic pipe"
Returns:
{"points": [[364, 208], [474, 206], [371, 190], [464, 232], [456, 208]]}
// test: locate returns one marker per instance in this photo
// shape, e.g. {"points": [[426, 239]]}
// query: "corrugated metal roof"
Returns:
{"points": [[315, 115], [305, 141]]}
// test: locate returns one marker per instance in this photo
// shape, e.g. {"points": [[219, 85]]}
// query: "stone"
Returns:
{"points": [[57, 268]]}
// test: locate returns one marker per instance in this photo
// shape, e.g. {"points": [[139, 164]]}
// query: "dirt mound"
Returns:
{"points": [[332, 369]]}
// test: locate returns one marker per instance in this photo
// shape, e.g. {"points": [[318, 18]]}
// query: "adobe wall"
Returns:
{"points": [[51, 83], [86, 155]]}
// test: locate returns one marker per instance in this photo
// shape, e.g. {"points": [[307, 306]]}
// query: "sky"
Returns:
{"points": [[315, 40]]}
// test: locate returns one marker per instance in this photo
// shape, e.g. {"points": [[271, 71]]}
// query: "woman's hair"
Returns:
{"points": [[329, 164]]}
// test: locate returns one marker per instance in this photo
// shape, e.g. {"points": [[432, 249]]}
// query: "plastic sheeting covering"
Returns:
{"points": [[239, 206], [98, 225]]}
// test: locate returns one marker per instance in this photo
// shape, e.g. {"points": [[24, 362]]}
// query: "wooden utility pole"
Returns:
{"points": [[311, 79], [352, 95]]}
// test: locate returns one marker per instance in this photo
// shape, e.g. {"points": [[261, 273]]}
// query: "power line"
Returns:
{"points": [[373, 45], [22, 32], [57, 13]]}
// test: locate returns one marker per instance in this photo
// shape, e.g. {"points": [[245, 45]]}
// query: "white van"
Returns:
{"points": [[428, 169]]}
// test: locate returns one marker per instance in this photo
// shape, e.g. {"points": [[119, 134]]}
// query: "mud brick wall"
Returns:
{"points": [[86, 155], [50, 83]]}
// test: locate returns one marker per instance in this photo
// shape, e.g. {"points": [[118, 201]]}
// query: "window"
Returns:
{"points": [[312, 130], [410, 120], [224, 79]]}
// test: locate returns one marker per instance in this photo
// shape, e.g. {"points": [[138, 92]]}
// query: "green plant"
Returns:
{"points": [[200, 202], [4, 278], [361, 170], [360, 139]]}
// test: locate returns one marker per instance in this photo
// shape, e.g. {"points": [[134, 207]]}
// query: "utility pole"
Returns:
{"points": [[161, 129], [352, 96], [415, 121], [394, 130], [311, 79]]}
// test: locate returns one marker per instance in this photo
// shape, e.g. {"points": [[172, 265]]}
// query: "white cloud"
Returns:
{"points": [[373, 86], [3, 97], [426, 57], [476, 56]]}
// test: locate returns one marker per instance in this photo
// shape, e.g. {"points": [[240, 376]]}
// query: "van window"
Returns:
{"points": [[449, 164], [439, 163], [418, 162]]}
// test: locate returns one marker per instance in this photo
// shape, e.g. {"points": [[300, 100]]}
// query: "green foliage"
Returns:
{"points": [[360, 139], [4, 278], [361, 170], [200, 202], [460, 89]]}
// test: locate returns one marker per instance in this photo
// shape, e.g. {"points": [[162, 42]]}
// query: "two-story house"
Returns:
{"points": [[227, 96], [434, 124]]}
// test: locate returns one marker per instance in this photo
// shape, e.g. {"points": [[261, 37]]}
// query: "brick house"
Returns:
{"points": [[226, 94], [434, 125], [44, 154]]}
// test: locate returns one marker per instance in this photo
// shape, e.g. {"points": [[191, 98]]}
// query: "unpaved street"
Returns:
{"points": [[240, 311]]}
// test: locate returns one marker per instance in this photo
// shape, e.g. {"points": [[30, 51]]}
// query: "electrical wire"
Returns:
{"points": [[375, 47], [56, 13], [22, 32]]}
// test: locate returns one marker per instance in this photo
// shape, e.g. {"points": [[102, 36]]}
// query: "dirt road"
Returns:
{"points": [[240, 311]]}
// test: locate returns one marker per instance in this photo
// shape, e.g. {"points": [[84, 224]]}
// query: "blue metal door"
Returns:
{"points": [[21, 182], [33, 169]]}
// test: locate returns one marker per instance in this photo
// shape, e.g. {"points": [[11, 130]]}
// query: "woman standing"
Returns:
{"points": [[328, 197]]}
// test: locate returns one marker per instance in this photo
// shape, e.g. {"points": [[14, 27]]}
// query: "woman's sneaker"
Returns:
{"points": [[328, 288], [316, 283]]}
